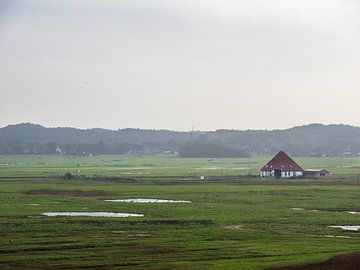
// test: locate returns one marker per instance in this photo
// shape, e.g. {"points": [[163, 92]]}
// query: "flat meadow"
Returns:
{"points": [[49, 166], [241, 222]]}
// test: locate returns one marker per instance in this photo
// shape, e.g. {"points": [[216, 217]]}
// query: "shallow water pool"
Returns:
{"points": [[348, 228]]}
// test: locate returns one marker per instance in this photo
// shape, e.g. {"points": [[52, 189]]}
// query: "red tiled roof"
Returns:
{"points": [[282, 162]]}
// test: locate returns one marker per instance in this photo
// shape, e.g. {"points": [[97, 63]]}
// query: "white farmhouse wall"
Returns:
{"points": [[284, 174]]}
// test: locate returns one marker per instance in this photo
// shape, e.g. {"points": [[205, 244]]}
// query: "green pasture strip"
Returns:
{"points": [[45, 166]]}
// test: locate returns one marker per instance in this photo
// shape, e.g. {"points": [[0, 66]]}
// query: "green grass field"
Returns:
{"points": [[26, 166], [237, 226]]}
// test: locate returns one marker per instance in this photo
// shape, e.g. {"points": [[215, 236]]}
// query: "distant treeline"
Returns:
{"points": [[200, 150], [192, 150], [309, 140], [68, 149]]}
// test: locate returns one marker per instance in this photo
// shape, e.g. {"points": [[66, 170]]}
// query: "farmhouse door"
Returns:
{"points": [[277, 173]]}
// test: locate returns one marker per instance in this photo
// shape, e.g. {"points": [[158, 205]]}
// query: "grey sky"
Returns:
{"points": [[171, 64]]}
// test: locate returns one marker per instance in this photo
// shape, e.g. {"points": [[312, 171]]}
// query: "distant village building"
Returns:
{"points": [[316, 173], [282, 166]]}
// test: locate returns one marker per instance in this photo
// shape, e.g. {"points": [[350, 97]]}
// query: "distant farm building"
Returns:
{"points": [[282, 166], [316, 173]]}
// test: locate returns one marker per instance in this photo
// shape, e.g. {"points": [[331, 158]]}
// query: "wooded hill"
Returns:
{"points": [[309, 140]]}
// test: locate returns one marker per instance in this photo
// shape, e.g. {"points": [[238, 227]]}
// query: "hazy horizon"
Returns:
{"points": [[176, 130], [177, 64]]}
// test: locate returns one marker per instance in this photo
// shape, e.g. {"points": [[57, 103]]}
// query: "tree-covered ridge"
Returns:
{"points": [[309, 140]]}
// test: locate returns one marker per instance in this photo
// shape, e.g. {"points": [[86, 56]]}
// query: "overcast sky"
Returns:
{"points": [[254, 64]]}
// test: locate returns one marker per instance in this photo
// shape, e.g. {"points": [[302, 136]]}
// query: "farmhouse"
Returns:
{"points": [[281, 166]]}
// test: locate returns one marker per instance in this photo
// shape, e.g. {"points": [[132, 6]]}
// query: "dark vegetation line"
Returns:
{"points": [[179, 180]]}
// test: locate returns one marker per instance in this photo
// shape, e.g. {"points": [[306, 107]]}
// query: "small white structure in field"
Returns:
{"points": [[316, 173], [281, 166]]}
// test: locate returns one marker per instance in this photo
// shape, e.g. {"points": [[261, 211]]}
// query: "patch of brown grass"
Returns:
{"points": [[74, 193], [280, 192], [342, 262]]}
